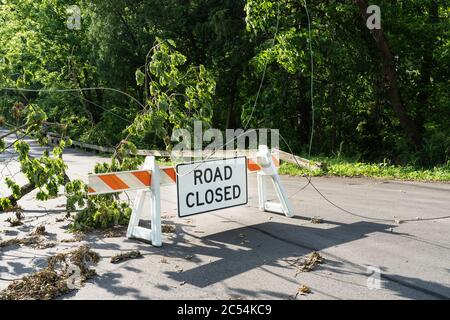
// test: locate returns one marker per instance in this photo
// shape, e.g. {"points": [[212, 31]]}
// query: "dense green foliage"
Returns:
{"points": [[204, 59]]}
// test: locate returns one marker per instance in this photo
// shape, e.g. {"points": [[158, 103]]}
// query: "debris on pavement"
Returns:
{"points": [[81, 258], [303, 290], [178, 268], [10, 242], [310, 263], [60, 219], [316, 220], [39, 231], [243, 236], [33, 241], [306, 264], [54, 280], [167, 228], [76, 238], [397, 220], [43, 245], [115, 232], [163, 260], [17, 221], [126, 256]]}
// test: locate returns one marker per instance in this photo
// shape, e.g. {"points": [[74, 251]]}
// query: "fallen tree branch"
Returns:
{"points": [[24, 190], [26, 125]]}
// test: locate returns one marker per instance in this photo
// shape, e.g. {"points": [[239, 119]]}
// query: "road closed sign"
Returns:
{"points": [[211, 185]]}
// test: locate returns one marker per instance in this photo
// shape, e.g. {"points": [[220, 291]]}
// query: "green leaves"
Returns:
{"points": [[179, 94], [46, 173], [15, 188], [101, 212], [76, 194], [5, 204], [140, 77]]}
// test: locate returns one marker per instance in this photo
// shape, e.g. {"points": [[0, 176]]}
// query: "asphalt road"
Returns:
{"points": [[244, 253]]}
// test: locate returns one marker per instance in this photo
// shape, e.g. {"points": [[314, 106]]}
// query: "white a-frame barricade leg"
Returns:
{"points": [[147, 205], [269, 171]]}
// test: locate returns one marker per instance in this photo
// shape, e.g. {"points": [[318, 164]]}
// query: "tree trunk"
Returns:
{"points": [[410, 128]]}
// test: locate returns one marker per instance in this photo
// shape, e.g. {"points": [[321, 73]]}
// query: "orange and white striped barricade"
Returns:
{"points": [[147, 203], [266, 166], [150, 178]]}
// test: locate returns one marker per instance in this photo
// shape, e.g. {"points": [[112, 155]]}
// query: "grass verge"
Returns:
{"points": [[343, 168]]}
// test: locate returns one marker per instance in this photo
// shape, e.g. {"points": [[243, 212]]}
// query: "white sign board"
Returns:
{"points": [[211, 185]]}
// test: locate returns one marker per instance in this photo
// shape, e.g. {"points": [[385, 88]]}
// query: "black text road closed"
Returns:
{"points": [[211, 185]]}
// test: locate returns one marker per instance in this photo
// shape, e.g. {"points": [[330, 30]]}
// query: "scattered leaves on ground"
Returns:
{"points": [[126, 256], [54, 280]]}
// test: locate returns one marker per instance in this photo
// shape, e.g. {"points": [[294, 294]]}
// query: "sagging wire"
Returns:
{"points": [[76, 90]]}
